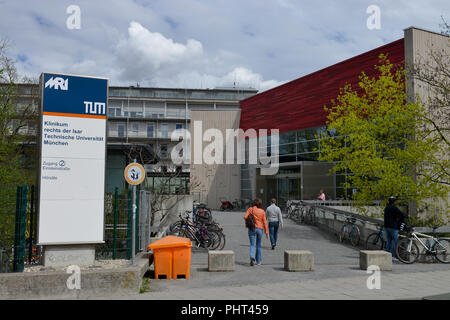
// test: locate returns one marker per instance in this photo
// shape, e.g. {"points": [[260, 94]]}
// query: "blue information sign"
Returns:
{"points": [[74, 95]]}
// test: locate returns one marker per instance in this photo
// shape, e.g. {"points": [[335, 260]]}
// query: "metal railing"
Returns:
{"points": [[323, 208], [118, 225]]}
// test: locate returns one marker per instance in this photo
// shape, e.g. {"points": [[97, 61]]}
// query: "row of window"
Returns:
{"points": [[117, 113], [157, 110], [165, 185], [179, 94], [136, 130]]}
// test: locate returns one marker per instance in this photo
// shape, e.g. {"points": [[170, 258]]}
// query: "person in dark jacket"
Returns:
{"points": [[393, 218]]}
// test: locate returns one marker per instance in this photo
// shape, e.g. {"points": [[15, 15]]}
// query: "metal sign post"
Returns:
{"points": [[134, 175], [133, 235]]}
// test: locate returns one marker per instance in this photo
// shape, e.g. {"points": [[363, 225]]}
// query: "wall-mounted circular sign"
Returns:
{"points": [[134, 173]]}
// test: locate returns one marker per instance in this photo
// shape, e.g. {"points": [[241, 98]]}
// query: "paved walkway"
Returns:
{"points": [[337, 274]]}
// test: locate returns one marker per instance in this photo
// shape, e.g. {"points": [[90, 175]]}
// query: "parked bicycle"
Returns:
{"points": [[350, 232], [408, 250], [376, 240], [208, 235], [226, 205], [302, 213], [201, 213], [293, 209], [237, 204], [291, 206], [309, 215]]}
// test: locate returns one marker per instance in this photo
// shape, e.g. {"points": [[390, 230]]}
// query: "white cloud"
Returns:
{"points": [[152, 59], [252, 42], [144, 47]]}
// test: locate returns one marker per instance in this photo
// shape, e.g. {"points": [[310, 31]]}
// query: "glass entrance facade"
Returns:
{"points": [[300, 176]]}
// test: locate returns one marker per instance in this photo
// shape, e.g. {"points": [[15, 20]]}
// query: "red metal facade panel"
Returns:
{"points": [[299, 104]]}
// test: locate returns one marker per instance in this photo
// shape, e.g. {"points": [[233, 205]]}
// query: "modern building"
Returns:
{"points": [[140, 125], [296, 108], [141, 122]]}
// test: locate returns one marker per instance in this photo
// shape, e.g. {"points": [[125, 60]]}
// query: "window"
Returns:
{"points": [[115, 112], [135, 128], [121, 130], [14, 124], [164, 130], [150, 130], [31, 128], [179, 126], [163, 150]]}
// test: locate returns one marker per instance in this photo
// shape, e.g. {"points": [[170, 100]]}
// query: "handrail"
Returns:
{"points": [[341, 202], [375, 221], [359, 217]]}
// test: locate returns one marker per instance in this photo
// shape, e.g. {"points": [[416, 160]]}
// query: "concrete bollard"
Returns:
{"points": [[298, 260], [220, 261], [380, 258]]}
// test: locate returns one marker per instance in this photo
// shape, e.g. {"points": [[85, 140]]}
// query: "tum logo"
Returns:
{"points": [[58, 83]]}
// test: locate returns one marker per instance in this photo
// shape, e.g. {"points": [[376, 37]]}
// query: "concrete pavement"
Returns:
{"points": [[337, 274]]}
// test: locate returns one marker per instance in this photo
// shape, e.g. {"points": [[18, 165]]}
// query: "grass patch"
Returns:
{"points": [[145, 287]]}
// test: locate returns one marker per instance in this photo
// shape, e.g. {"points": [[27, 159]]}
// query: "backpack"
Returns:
{"points": [[250, 222]]}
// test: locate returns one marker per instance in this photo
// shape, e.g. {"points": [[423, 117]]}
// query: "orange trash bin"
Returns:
{"points": [[172, 257]]}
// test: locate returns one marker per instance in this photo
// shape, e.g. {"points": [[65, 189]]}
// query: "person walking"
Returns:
{"points": [[275, 219], [255, 235], [393, 218]]}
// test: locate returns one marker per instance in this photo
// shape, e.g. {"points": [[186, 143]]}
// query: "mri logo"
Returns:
{"points": [[86, 95], [57, 83]]}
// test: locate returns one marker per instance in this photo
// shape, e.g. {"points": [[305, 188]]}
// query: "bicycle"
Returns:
{"points": [[201, 214], [408, 251], [237, 204], [291, 206], [294, 211], [309, 216], [204, 234], [350, 231], [376, 240]]}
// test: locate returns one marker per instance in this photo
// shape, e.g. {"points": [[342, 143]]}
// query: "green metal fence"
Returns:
{"points": [[18, 228], [118, 226], [17, 216]]}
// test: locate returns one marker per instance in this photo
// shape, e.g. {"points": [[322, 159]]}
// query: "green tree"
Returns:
{"points": [[378, 141], [18, 121]]}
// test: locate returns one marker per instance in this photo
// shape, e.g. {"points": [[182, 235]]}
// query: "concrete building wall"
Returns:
{"points": [[418, 47], [212, 182]]}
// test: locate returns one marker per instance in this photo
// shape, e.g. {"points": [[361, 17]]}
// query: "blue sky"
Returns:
{"points": [[203, 43]]}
